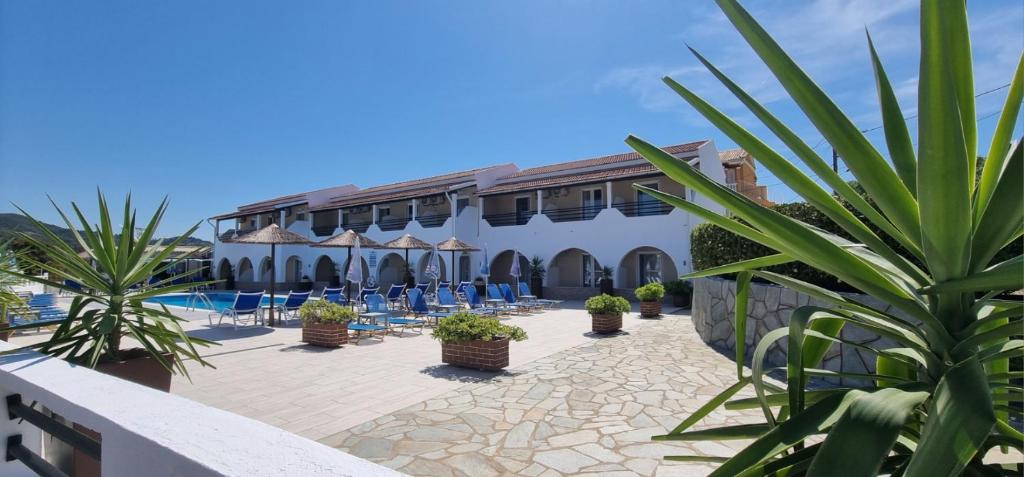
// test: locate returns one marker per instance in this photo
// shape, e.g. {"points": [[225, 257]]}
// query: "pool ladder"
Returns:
{"points": [[198, 297]]}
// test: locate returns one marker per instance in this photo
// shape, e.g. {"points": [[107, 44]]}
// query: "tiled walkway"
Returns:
{"points": [[588, 410]]}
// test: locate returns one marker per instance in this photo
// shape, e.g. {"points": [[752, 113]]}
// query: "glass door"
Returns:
{"points": [[522, 210], [649, 268], [593, 202], [647, 204], [587, 273]]}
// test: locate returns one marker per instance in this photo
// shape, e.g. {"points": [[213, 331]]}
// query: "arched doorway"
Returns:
{"points": [[424, 261], [391, 269], [224, 269], [644, 265], [293, 269], [245, 270], [265, 270], [324, 271], [574, 267], [502, 264]]}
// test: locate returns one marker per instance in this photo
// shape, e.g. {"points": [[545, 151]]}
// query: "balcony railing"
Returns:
{"points": [[360, 227], [437, 220], [393, 223], [634, 209], [323, 230], [511, 218], [574, 214]]}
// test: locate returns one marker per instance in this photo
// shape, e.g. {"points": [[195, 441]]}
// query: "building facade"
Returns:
{"points": [[577, 217]]}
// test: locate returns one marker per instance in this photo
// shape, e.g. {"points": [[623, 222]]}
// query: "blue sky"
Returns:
{"points": [[221, 103]]}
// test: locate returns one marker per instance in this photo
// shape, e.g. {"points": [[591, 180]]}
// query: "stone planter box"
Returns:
{"points": [[478, 354], [769, 307], [330, 335], [650, 309], [605, 323]]}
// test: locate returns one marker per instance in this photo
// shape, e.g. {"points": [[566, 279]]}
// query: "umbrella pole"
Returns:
{"points": [[273, 275], [453, 267], [408, 270], [348, 289]]}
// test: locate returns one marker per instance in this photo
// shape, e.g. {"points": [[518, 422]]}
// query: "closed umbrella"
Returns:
{"points": [[348, 239], [273, 235], [485, 266], [407, 242], [355, 267], [434, 266], [455, 245], [515, 271]]}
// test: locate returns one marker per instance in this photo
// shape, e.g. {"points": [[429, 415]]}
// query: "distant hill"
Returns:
{"points": [[11, 224]]}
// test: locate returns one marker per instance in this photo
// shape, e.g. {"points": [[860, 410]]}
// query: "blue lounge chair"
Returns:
{"points": [[376, 307], [511, 301], [496, 299], [394, 297], [423, 287], [367, 291], [73, 285], [246, 304], [476, 304], [447, 285], [289, 310], [379, 304], [418, 306], [524, 292], [446, 301], [334, 295], [460, 290]]}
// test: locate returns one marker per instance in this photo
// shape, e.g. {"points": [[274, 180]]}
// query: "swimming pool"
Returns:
{"points": [[220, 300]]}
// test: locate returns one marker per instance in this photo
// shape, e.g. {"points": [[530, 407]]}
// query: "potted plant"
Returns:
{"points": [[681, 292], [606, 282], [537, 272], [116, 264], [474, 341], [606, 312], [650, 296], [325, 323]]}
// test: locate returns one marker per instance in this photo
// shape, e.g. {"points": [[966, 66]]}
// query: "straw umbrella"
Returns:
{"points": [[273, 235], [348, 239], [407, 242], [455, 245]]}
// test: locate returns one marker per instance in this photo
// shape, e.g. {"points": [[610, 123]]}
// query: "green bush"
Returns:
{"points": [[678, 288], [465, 326], [607, 305], [322, 311], [650, 292], [712, 246]]}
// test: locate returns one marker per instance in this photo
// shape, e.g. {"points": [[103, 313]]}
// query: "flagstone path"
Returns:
{"points": [[587, 410]]}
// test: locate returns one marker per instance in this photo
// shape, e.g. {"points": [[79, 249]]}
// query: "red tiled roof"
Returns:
{"points": [[402, 190], [600, 161], [734, 156], [573, 179]]}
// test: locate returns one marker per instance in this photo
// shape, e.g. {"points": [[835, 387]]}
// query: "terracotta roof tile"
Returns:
{"points": [[734, 156], [402, 190], [567, 179], [600, 161]]}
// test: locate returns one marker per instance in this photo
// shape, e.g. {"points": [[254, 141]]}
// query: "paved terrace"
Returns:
{"points": [[571, 403]]}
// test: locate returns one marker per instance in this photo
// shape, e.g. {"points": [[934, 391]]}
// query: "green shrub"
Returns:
{"points": [[607, 305], [322, 311], [650, 292], [465, 326], [712, 246], [678, 288]]}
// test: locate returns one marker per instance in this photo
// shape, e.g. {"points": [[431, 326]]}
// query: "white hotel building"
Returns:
{"points": [[577, 216]]}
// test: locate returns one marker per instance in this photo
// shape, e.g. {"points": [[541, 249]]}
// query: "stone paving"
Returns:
{"points": [[588, 410]]}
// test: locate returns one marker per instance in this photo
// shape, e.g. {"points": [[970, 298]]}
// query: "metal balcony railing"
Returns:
{"points": [[511, 218], [437, 220], [16, 450], [574, 214], [634, 209], [393, 223], [360, 227]]}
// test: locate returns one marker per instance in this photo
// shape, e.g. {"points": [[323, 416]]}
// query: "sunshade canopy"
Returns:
{"points": [[407, 241], [272, 234], [455, 245], [348, 239]]}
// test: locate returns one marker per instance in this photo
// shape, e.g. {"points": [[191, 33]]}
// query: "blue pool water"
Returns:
{"points": [[220, 300]]}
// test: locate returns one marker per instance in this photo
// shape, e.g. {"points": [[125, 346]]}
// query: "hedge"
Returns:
{"points": [[712, 246]]}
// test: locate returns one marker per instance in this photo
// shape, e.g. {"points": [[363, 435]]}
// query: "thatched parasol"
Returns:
{"points": [[455, 245], [407, 242], [348, 239], [273, 235]]}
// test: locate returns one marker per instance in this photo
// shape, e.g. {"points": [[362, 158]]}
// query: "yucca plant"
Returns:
{"points": [[940, 399], [114, 271]]}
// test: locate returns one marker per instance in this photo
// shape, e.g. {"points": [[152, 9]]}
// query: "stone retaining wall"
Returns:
{"points": [[769, 307]]}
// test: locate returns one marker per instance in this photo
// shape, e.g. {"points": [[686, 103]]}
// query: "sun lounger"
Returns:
{"points": [[334, 295], [510, 299], [247, 304], [289, 310], [378, 304], [524, 293], [395, 296], [476, 304], [418, 306]]}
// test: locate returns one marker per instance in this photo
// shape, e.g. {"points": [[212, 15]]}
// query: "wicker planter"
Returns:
{"points": [[650, 309], [330, 335], [605, 323], [478, 354]]}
